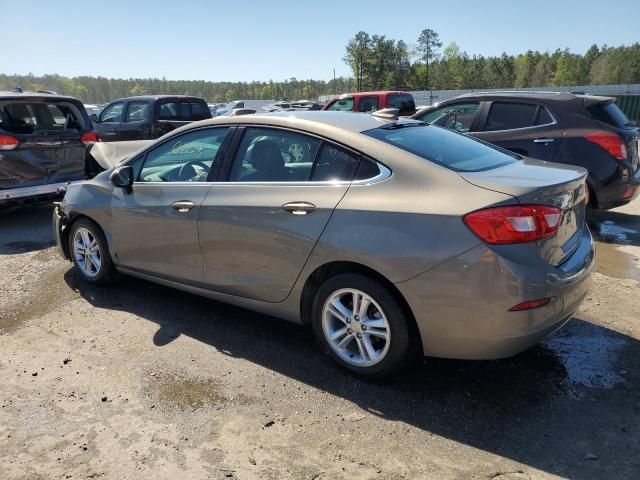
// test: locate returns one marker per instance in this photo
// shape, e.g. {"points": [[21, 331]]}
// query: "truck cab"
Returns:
{"points": [[367, 102]]}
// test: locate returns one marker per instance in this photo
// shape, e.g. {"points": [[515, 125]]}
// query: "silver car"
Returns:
{"points": [[389, 237]]}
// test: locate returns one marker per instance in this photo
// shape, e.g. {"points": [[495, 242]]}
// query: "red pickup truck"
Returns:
{"points": [[372, 101]]}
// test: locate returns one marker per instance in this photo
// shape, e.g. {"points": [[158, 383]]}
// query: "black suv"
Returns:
{"points": [[148, 117], [584, 130], [43, 144]]}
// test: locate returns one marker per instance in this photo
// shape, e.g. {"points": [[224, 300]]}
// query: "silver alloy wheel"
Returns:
{"points": [[87, 252], [355, 327]]}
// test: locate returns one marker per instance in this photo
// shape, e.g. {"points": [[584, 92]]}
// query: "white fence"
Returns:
{"points": [[426, 97]]}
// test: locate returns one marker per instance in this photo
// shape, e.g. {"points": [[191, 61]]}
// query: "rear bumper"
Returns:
{"points": [[617, 194], [13, 194], [462, 307]]}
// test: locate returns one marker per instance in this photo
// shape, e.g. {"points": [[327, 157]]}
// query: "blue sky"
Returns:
{"points": [[277, 39]]}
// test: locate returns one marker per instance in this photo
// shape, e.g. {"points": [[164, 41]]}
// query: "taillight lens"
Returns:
{"points": [[514, 224], [612, 143], [89, 138], [530, 304], [7, 142]]}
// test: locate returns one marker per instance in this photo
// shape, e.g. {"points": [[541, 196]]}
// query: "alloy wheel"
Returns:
{"points": [[86, 252], [355, 327]]}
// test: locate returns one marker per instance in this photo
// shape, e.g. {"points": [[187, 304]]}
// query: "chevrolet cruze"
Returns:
{"points": [[391, 238]]}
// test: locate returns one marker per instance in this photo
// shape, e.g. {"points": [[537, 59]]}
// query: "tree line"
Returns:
{"points": [[380, 63], [100, 89], [377, 63]]}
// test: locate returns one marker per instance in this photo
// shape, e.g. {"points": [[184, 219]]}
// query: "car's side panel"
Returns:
{"points": [[151, 235], [251, 245]]}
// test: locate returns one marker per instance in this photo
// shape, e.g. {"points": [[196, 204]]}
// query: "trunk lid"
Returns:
{"points": [[536, 182]]}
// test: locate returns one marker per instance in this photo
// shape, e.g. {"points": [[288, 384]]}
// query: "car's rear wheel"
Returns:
{"points": [[89, 252], [362, 326]]}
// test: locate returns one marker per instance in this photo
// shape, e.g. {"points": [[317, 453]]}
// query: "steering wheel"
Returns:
{"points": [[188, 172]]}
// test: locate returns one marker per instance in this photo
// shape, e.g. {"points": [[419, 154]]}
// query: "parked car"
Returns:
{"points": [[43, 143], [249, 104], [391, 238], [148, 117], [588, 131], [371, 101]]}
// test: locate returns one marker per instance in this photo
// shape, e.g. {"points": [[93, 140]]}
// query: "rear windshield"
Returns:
{"points": [[405, 103], [25, 118], [184, 110], [608, 113], [444, 147]]}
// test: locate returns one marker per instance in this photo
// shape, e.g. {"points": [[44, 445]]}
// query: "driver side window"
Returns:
{"points": [[185, 158]]}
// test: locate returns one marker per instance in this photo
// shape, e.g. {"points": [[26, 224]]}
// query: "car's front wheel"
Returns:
{"points": [[89, 252], [362, 326]]}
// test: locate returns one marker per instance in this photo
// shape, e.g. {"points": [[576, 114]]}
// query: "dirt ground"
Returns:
{"points": [[140, 381]]}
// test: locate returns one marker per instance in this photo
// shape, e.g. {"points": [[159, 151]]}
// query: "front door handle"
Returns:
{"points": [[299, 208], [543, 140], [183, 206]]}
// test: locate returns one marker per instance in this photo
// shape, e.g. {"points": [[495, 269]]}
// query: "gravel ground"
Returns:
{"points": [[140, 381]]}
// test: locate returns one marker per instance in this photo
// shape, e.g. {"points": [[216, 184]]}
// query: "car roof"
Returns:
{"points": [[376, 92], [152, 97], [34, 95], [312, 121], [547, 96]]}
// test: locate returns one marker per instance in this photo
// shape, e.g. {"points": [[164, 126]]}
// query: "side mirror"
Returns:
{"points": [[94, 117], [122, 177]]}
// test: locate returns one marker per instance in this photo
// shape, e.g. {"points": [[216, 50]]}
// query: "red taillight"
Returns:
{"points": [[89, 138], [514, 224], [529, 304], [612, 143], [7, 142]]}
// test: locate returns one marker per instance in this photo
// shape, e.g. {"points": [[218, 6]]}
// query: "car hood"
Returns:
{"points": [[109, 154]]}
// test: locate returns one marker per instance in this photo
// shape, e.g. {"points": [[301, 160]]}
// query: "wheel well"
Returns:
{"points": [[326, 271], [64, 234]]}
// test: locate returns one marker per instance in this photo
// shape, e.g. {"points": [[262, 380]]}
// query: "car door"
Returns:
{"points": [[258, 229], [155, 225], [136, 124], [459, 116], [108, 124], [526, 128]]}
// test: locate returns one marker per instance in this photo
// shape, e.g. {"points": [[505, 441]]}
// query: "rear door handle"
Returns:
{"points": [[183, 206], [543, 140], [299, 208]]}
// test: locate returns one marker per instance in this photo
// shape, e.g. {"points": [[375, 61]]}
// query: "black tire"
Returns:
{"points": [[402, 349], [107, 272]]}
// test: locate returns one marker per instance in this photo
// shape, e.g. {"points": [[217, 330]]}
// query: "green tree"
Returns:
{"points": [[428, 49]]}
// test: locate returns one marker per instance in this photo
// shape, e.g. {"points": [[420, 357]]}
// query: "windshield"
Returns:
{"points": [[444, 147]]}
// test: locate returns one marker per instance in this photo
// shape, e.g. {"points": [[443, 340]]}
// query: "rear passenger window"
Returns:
{"points": [[136, 112], [270, 155], [168, 111], [367, 169], [199, 111], [543, 117], [507, 116], [368, 104], [334, 164], [404, 103]]}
